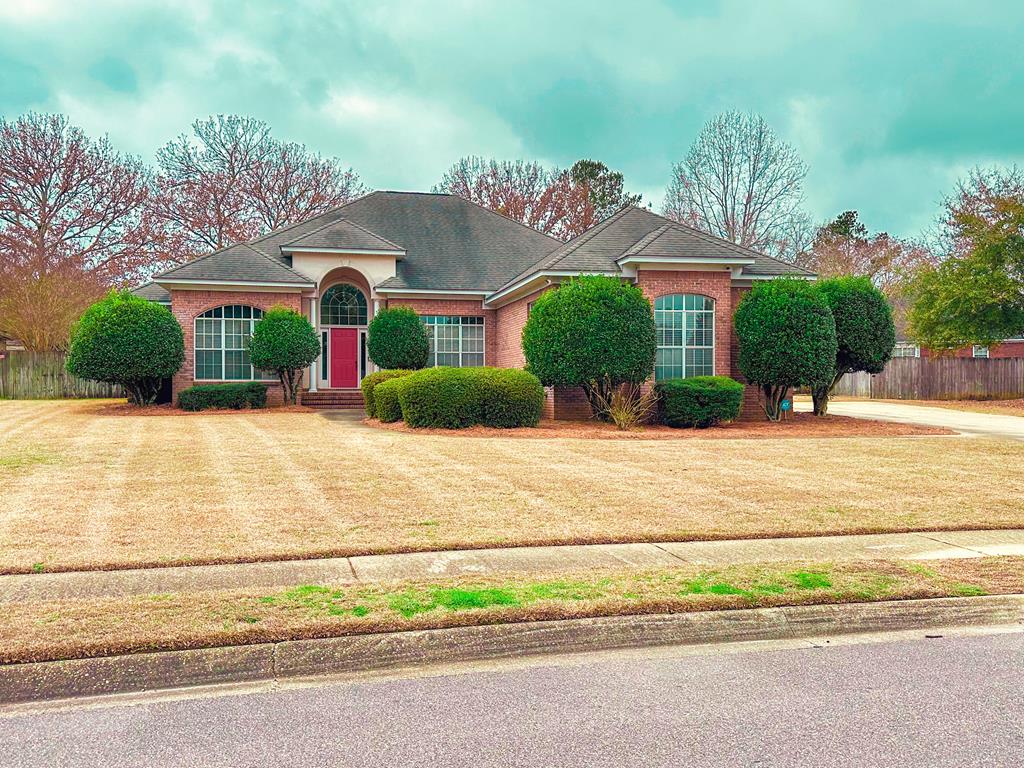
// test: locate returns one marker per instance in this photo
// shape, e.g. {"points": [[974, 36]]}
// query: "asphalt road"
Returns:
{"points": [[968, 422], [952, 701]]}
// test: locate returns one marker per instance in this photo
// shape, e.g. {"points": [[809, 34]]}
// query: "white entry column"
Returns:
{"points": [[314, 369]]}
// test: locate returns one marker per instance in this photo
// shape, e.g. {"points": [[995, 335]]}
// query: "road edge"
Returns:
{"points": [[296, 659]]}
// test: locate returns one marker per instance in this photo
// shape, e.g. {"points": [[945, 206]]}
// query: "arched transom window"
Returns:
{"points": [[222, 344], [685, 326], [343, 304]]}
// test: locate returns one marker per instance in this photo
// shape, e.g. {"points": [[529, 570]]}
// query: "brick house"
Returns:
{"points": [[470, 273]]}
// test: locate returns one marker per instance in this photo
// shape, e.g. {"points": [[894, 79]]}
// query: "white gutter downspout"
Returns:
{"points": [[314, 369]]}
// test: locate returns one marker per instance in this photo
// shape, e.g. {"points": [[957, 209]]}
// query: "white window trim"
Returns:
{"points": [[684, 347], [483, 339], [223, 347], [976, 348], [906, 345]]}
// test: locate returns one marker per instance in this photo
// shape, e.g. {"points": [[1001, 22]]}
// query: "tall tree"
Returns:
{"points": [[559, 203], [73, 223], [739, 181], [231, 181], [976, 295], [605, 187], [844, 247]]}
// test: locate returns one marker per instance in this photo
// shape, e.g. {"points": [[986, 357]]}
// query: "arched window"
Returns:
{"points": [[222, 344], [343, 304], [685, 324]]}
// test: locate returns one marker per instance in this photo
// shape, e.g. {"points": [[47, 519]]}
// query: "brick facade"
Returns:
{"points": [[511, 318], [187, 305], [468, 307]]}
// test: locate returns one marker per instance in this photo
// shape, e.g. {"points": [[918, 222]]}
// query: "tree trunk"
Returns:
{"points": [[288, 385], [598, 392], [820, 397], [772, 401]]}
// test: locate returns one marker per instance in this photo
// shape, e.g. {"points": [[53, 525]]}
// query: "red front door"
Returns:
{"points": [[344, 357]]}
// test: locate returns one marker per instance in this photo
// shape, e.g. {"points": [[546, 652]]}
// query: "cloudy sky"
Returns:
{"points": [[888, 102]]}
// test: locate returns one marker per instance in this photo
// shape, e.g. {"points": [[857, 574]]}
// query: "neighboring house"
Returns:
{"points": [[470, 273], [1007, 348]]}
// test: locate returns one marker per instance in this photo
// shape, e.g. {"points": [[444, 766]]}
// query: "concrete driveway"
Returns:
{"points": [[967, 422]]}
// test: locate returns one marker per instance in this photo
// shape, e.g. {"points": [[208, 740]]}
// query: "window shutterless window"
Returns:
{"points": [[979, 350], [457, 341], [343, 304], [222, 344], [902, 349], [685, 333]]}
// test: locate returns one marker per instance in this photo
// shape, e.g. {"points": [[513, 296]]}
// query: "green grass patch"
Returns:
{"points": [[25, 458]]}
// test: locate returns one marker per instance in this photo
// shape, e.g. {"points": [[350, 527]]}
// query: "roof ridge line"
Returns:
{"points": [[369, 232], [197, 258], [492, 211], [294, 224], [590, 234]]}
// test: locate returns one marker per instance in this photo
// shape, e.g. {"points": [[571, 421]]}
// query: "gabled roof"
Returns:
{"points": [[342, 235], [449, 244], [637, 231], [236, 263], [153, 292]]}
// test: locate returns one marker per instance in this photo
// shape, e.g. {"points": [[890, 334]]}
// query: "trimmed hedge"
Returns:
{"points": [[455, 398], [510, 398], [397, 338], [235, 396], [371, 381], [700, 401], [387, 408]]}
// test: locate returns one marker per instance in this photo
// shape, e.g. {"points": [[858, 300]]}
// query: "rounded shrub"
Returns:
{"points": [[284, 342], [787, 339], [510, 397], [386, 405], [236, 396], [448, 398], [454, 398], [370, 383], [124, 339], [700, 401], [396, 338], [594, 332], [865, 331]]}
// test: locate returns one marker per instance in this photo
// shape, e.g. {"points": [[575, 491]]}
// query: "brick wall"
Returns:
{"points": [[469, 307], [187, 305], [1006, 349], [716, 285], [511, 318]]}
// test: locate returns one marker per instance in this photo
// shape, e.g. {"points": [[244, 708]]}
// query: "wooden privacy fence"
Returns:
{"points": [[939, 378], [28, 375]]}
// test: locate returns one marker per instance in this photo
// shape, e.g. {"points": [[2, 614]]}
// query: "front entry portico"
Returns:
{"points": [[344, 358]]}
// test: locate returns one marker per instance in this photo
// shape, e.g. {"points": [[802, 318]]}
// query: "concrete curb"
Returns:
{"points": [[42, 681]]}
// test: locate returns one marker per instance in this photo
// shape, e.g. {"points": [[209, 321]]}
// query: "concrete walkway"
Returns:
{"points": [[521, 561], [966, 422]]}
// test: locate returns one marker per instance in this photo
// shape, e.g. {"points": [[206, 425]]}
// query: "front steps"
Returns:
{"points": [[340, 399]]}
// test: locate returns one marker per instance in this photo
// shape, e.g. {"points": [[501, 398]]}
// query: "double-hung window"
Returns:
{"points": [[455, 340]]}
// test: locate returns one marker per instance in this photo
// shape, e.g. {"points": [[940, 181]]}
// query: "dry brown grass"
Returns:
{"points": [[795, 426], [80, 489], [45, 631], [1000, 407]]}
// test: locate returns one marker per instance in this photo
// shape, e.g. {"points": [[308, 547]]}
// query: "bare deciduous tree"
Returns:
{"points": [[231, 181], [73, 223], [559, 203], [739, 181]]}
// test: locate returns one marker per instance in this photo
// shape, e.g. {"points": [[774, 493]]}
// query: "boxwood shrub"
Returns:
{"points": [[700, 401], [235, 396], [454, 398], [372, 380], [510, 398], [385, 399]]}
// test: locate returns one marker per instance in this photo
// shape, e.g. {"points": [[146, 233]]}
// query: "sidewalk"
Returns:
{"points": [[538, 561]]}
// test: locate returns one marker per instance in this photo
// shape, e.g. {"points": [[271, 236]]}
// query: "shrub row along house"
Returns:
{"points": [[471, 275]]}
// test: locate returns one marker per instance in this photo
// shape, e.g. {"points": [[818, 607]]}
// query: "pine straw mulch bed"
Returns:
{"points": [[167, 409], [65, 629], [796, 425]]}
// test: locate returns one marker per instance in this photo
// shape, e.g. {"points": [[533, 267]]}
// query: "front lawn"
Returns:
{"points": [[86, 486]]}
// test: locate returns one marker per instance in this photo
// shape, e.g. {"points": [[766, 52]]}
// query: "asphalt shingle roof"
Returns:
{"points": [[637, 231], [343, 234], [449, 243], [153, 292]]}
